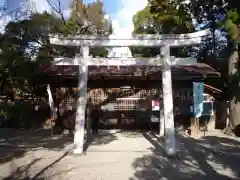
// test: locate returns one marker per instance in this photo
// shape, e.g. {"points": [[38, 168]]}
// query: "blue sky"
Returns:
{"points": [[119, 11]]}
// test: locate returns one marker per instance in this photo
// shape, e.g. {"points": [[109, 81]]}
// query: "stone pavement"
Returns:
{"points": [[125, 156]]}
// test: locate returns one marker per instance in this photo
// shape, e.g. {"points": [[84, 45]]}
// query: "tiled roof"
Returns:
{"points": [[132, 71]]}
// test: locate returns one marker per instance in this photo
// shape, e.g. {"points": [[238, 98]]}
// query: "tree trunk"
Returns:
{"points": [[234, 110], [234, 104]]}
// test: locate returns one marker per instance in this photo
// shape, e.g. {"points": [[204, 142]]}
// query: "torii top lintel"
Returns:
{"points": [[147, 40]]}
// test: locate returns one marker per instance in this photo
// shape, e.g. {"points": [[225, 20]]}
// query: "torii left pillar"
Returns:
{"points": [[170, 146], [82, 101]]}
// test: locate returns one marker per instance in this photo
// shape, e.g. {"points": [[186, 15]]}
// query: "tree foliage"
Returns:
{"points": [[22, 46], [25, 44], [224, 15], [220, 50], [89, 18], [163, 17]]}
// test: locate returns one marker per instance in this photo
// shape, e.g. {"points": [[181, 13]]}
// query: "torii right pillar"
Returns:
{"points": [[170, 146]]}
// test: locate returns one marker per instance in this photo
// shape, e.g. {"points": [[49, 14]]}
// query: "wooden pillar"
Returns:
{"points": [[82, 100], [195, 127], [161, 124], [89, 119], [168, 101], [161, 118]]}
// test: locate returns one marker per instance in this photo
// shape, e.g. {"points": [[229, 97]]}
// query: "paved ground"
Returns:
{"points": [[118, 155]]}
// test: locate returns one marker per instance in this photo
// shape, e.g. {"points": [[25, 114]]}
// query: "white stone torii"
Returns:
{"points": [[63, 61], [165, 42]]}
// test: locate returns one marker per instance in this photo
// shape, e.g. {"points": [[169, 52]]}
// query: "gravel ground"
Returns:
{"points": [[119, 155]]}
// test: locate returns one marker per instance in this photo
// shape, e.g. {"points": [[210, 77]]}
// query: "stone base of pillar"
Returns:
{"points": [[173, 156], [161, 125], [161, 134], [170, 148], [78, 152], [194, 127], [212, 123], [78, 141]]}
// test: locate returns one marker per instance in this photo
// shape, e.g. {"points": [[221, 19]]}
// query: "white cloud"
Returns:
{"points": [[123, 20], [4, 21], [66, 13], [39, 6]]}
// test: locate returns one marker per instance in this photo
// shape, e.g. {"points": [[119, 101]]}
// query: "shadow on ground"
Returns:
{"points": [[25, 172], [15, 143], [208, 158], [212, 157]]}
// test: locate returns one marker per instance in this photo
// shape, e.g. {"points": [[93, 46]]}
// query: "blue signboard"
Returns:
{"points": [[198, 90]]}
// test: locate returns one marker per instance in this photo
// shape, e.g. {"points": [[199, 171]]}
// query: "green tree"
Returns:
{"points": [[176, 16], [25, 45], [21, 51], [231, 24], [209, 12], [89, 18], [162, 17]]}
